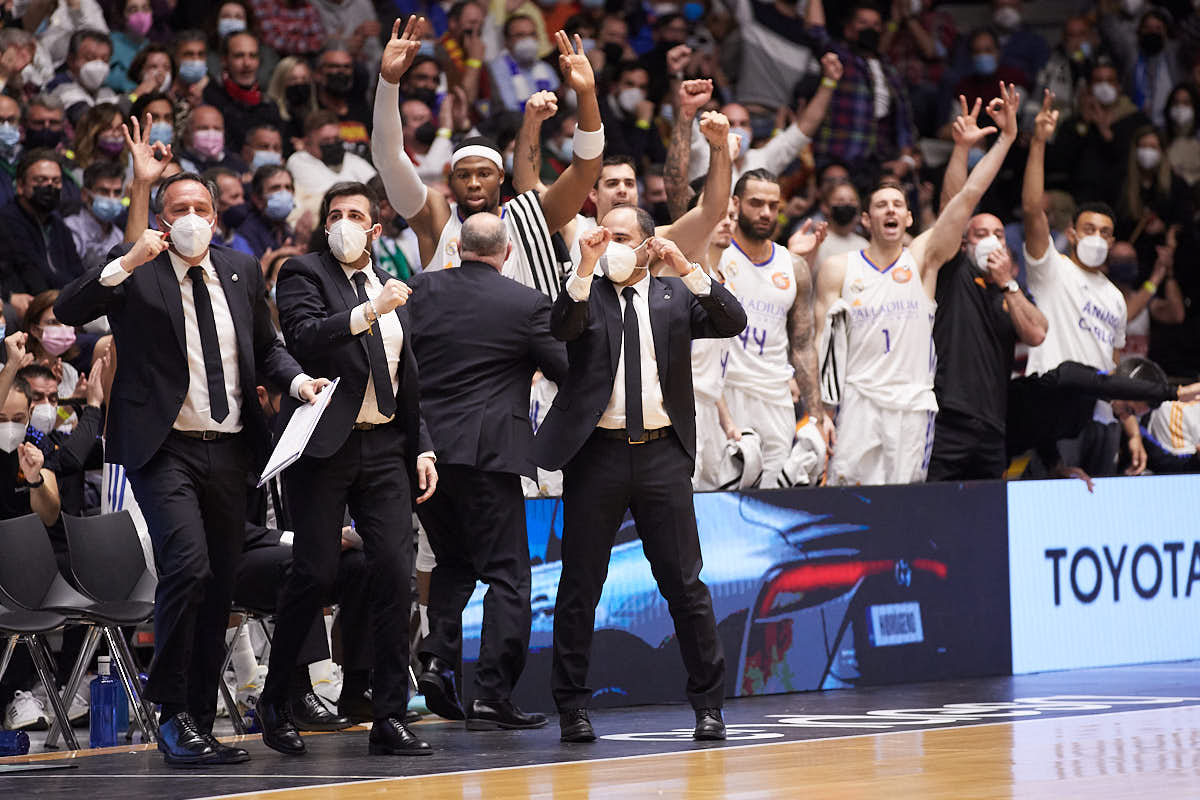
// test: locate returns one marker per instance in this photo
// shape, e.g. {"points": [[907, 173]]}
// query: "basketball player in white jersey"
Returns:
{"points": [[477, 170], [775, 288], [617, 184], [885, 419]]}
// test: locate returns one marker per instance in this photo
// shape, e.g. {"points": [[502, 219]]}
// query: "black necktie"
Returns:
{"points": [[634, 425], [380, 376], [218, 404]]}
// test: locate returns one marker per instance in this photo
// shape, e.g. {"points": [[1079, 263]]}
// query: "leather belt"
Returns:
{"points": [[366, 426], [623, 435], [207, 436]]}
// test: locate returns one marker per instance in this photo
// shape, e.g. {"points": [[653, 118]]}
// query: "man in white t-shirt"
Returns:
{"points": [[324, 161], [1086, 312], [842, 207]]}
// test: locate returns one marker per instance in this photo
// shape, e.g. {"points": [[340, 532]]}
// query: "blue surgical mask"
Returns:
{"points": [[693, 11], [162, 132], [984, 63], [567, 148], [193, 70], [10, 134], [106, 209], [227, 26], [279, 205], [426, 48], [264, 158], [589, 45]]}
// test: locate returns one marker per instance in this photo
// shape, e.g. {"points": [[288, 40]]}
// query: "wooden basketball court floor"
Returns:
{"points": [[1104, 733]]}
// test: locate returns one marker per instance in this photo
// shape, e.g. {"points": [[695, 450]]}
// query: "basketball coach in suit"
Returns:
{"points": [[476, 369], [631, 341], [345, 317], [195, 336]]}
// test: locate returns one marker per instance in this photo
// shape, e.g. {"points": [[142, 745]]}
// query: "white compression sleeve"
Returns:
{"points": [[405, 190]]}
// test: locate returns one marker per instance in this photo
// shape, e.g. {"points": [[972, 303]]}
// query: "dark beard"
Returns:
{"points": [[749, 232]]}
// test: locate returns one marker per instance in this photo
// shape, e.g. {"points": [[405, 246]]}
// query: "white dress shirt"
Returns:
{"points": [[654, 414], [196, 415], [388, 326]]}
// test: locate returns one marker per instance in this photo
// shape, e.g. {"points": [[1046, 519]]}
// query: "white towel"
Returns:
{"points": [[834, 345]]}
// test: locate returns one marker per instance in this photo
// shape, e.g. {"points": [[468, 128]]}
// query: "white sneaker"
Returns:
{"points": [[78, 711], [247, 695], [330, 690], [26, 712]]}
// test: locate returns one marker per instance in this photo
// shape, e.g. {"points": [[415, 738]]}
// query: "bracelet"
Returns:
{"points": [[892, 26], [1151, 287], [472, 63], [374, 313], [445, 133], [587, 145], [643, 124], [41, 482], [828, 83]]}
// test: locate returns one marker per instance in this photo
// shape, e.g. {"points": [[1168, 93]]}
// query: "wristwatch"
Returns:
{"points": [[1012, 286]]}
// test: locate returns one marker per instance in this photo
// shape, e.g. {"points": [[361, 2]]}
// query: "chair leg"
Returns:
{"points": [[45, 669], [123, 660], [85, 657], [235, 716], [8, 653]]}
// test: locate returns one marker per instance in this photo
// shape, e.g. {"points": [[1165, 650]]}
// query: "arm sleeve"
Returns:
{"points": [[114, 274], [579, 287], [698, 282], [404, 188]]}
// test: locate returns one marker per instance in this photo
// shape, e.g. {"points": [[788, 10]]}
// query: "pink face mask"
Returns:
{"points": [[140, 21], [57, 339], [208, 143]]}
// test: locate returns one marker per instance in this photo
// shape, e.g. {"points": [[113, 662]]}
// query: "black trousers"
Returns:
{"points": [[368, 474], [965, 449], [476, 526], [193, 495], [654, 481]]}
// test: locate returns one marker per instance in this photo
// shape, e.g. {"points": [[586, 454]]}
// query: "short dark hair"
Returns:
{"points": [[139, 61], [227, 42], [84, 35], [644, 220], [319, 119], [264, 174], [161, 194], [759, 174], [262, 126], [515, 18], [31, 157], [1094, 207], [348, 189], [139, 108], [190, 35], [628, 66], [616, 161], [32, 372], [1130, 367], [982, 31], [887, 182], [102, 170], [456, 10], [213, 173]]}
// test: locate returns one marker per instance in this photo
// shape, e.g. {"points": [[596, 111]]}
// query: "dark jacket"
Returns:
{"points": [[592, 331], [33, 259], [478, 337], [315, 300], [146, 315], [262, 234]]}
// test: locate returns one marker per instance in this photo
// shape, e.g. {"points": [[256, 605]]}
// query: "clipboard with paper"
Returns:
{"points": [[295, 436]]}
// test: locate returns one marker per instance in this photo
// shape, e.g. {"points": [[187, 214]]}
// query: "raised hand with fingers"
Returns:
{"points": [[401, 49], [149, 160], [1047, 118], [805, 241], [966, 130], [574, 65]]}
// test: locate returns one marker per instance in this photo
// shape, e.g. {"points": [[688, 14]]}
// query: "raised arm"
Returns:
{"points": [[691, 231], [527, 153], [967, 134], [149, 162], [814, 15], [939, 244], [786, 146], [818, 107], [1037, 226], [565, 196], [16, 357], [693, 95]]}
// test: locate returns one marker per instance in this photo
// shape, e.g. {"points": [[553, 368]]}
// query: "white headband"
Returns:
{"points": [[480, 150]]}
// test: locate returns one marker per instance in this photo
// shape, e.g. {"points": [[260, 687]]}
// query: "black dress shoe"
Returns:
{"points": [[278, 731], [710, 727], [491, 715], [183, 744], [356, 707], [227, 754], [437, 685], [309, 713], [574, 726], [391, 737]]}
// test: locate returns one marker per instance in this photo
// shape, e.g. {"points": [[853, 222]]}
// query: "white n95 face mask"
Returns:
{"points": [[984, 248], [43, 416], [1092, 251], [11, 435], [190, 235], [619, 261], [347, 240]]}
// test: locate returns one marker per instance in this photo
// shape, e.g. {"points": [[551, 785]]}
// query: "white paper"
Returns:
{"points": [[299, 430]]}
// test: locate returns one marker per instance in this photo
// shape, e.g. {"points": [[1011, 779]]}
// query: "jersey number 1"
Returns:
{"points": [[887, 342]]}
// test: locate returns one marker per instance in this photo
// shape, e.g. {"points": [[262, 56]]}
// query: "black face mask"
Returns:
{"points": [[42, 137], [46, 198], [1123, 271], [843, 215], [613, 53], [426, 96], [868, 40], [234, 216], [297, 94], [426, 133], [661, 213], [1151, 43], [339, 84], [333, 153]]}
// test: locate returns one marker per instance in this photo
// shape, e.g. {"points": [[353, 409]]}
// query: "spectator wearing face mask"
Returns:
{"points": [[87, 68], [324, 161], [460, 51], [10, 141], [94, 227], [1183, 148], [517, 72], [842, 207], [1157, 298], [271, 200], [98, 137], [1021, 47], [161, 111], [205, 145], [1153, 199], [189, 50], [1151, 65], [52, 344], [137, 18], [67, 19], [37, 251], [1069, 63], [628, 117], [980, 81], [232, 209], [293, 91], [263, 148], [152, 73], [340, 91], [237, 95]]}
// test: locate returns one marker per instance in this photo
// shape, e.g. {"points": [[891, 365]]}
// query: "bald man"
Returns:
{"points": [[982, 313], [478, 338]]}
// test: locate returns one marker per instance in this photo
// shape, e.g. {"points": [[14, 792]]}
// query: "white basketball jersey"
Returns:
{"points": [[890, 358], [758, 357], [708, 366]]}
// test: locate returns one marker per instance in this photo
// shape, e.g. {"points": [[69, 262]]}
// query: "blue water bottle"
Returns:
{"points": [[103, 706], [14, 743]]}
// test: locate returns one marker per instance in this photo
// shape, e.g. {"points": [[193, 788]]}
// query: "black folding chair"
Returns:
{"points": [[248, 615], [30, 627]]}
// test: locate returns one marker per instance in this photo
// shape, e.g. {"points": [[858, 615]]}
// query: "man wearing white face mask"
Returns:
{"points": [[87, 69], [517, 72], [195, 336], [1086, 312], [371, 453]]}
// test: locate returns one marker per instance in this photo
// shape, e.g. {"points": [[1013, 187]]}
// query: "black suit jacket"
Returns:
{"points": [[315, 300], [146, 315], [478, 337], [593, 332]]}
